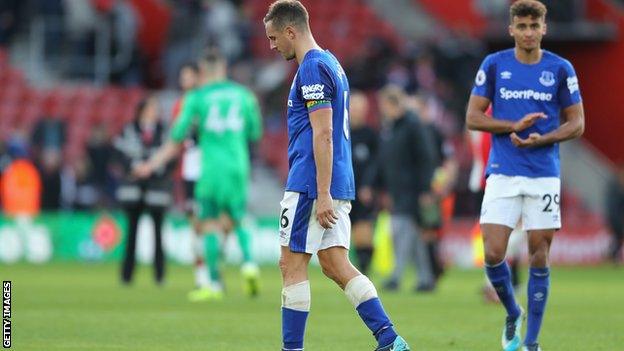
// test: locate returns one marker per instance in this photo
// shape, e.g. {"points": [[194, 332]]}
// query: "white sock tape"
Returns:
{"points": [[360, 289], [297, 296]]}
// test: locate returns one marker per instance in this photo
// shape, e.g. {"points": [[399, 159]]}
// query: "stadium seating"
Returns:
{"points": [[22, 105]]}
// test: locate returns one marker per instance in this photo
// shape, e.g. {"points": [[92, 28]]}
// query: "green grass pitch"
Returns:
{"points": [[70, 306]]}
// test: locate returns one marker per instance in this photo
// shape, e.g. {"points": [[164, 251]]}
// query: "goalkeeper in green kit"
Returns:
{"points": [[228, 119]]}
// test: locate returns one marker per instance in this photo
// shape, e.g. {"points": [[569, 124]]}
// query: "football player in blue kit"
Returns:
{"points": [[320, 186], [536, 105]]}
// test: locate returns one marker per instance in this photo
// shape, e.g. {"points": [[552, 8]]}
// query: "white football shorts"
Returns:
{"points": [[301, 232], [536, 201]]}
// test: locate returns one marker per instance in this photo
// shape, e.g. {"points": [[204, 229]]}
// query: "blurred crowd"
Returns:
{"points": [[152, 40]]}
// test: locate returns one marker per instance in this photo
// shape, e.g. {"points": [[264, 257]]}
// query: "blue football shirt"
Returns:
{"points": [[516, 89], [320, 82]]}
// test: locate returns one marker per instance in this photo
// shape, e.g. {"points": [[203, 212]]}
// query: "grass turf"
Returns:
{"points": [[70, 306]]}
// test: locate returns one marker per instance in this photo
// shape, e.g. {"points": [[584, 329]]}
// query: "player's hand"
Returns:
{"points": [[527, 121], [532, 140], [325, 214], [142, 170], [366, 195]]}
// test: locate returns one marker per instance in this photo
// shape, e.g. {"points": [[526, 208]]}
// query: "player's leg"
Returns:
{"points": [[295, 297], [500, 212], [210, 226], [363, 296], [334, 259], [495, 238], [541, 218], [212, 251], [298, 240], [249, 269], [200, 270], [539, 281], [235, 208]]}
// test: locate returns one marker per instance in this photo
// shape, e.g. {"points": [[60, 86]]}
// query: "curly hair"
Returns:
{"points": [[524, 8]]}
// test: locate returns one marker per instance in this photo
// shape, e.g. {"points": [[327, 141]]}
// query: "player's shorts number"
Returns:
{"points": [[284, 220], [549, 199]]}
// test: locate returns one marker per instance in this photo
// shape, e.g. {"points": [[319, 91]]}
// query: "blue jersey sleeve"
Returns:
{"points": [[485, 80], [315, 85], [568, 92]]}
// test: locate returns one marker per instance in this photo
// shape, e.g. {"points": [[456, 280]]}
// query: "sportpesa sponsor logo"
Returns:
{"points": [[528, 94], [313, 91]]}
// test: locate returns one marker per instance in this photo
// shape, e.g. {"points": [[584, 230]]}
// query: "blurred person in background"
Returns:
{"points": [[97, 165], [615, 213], [79, 190], [364, 140], [140, 139], [188, 80], [229, 119], [404, 167], [49, 165], [20, 185], [431, 213]]}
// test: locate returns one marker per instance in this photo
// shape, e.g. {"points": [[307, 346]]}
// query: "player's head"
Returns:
{"points": [[285, 23], [188, 78], [527, 23], [392, 101], [358, 108], [212, 66]]}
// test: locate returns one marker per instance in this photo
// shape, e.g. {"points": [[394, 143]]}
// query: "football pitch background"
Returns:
{"points": [[81, 306]]}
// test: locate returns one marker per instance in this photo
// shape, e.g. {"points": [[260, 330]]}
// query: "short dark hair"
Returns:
{"points": [[190, 65], [393, 93], [287, 12], [524, 8], [212, 56]]}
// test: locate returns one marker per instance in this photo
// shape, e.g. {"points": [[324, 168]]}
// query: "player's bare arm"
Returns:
{"points": [[572, 127], [476, 119], [164, 154], [321, 121]]}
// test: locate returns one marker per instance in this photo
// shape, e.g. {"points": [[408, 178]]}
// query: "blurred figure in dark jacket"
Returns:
{"points": [[404, 167], [138, 141], [615, 213]]}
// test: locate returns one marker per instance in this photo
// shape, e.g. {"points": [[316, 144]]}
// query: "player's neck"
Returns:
{"points": [[528, 57], [307, 43]]}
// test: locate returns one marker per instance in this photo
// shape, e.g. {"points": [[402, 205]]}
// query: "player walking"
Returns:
{"points": [[228, 118], [320, 186], [530, 90]]}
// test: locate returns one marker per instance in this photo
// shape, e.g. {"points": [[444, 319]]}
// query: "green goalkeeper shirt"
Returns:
{"points": [[228, 118]]}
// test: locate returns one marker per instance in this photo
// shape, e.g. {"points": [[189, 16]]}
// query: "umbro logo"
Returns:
{"points": [[505, 75], [538, 296]]}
